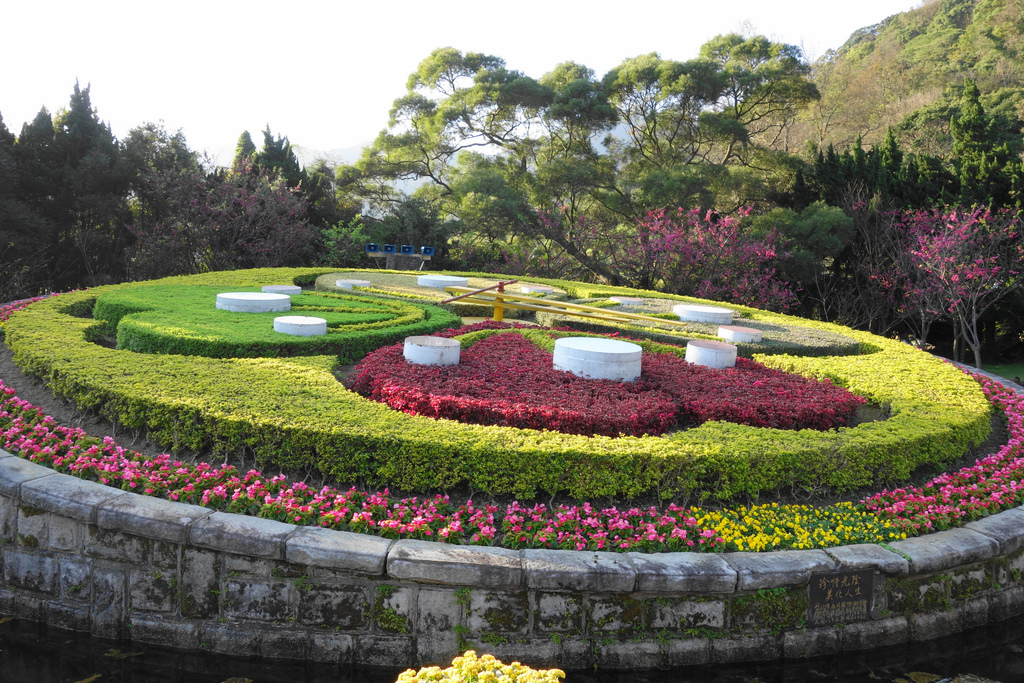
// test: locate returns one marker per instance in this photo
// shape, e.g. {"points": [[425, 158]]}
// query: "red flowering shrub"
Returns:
{"points": [[508, 380]]}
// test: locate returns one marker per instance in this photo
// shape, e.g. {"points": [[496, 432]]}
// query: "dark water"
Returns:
{"points": [[33, 653]]}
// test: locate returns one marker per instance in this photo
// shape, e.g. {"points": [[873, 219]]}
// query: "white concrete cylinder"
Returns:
{"points": [[290, 290], [703, 314], [254, 302], [431, 351], [349, 284], [536, 289], [740, 334], [628, 300], [441, 281], [596, 358], [711, 353], [300, 325]]}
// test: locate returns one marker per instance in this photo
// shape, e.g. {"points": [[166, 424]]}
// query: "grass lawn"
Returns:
{"points": [[1007, 371]]}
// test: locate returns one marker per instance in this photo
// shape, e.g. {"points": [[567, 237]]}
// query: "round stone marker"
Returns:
{"points": [[441, 281], [711, 353], [536, 289], [300, 325], [291, 290], [703, 314], [628, 300], [254, 302], [740, 334], [349, 284], [431, 350], [596, 358]]}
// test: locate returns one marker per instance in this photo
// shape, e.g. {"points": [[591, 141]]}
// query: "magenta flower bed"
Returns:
{"points": [[993, 484], [507, 380]]}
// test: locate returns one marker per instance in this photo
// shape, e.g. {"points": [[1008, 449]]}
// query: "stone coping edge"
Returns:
{"points": [[36, 486]]}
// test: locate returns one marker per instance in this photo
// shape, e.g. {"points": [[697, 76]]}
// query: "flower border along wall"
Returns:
{"points": [[294, 413]]}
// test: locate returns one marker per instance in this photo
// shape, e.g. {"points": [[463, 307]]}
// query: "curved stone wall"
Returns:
{"points": [[87, 557]]}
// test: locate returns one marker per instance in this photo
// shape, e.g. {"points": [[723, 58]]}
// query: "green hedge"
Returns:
{"points": [[183, 319], [292, 412]]}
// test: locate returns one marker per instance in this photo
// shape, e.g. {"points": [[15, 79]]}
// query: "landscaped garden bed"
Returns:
{"points": [[987, 487]]}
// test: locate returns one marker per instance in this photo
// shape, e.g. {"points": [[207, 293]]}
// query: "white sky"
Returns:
{"points": [[324, 74]]}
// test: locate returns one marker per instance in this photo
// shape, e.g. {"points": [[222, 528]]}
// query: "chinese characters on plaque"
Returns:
{"points": [[840, 598]]}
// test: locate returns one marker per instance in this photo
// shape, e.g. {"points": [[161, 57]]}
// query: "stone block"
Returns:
{"points": [[29, 607], [8, 519], [152, 590], [755, 648], [577, 655], [438, 610], [579, 571], [946, 549], [620, 614], [966, 583], [257, 568], [153, 518], [30, 570], [459, 565], [498, 612], [108, 603], [810, 642], [629, 655], [1006, 604], [861, 556], [393, 608], [382, 650], [165, 630], [682, 614], [777, 569], [331, 648], [69, 496], [931, 625], [200, 584], [76, 578], [114, 545], [688, 652], [229, 639], [282, 644], [242, 534], [65, 533], [1006, 528], [17, 471], [33, 527], [533, 652], [437, 648], [342, 550], [869, 635], [559, 613], [73, 617], [973, 613], [165, 556], [258, 600], [683, 573], [336, 607]]}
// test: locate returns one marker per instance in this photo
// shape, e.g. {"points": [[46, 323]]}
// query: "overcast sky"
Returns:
{"points": [[325, 73]]}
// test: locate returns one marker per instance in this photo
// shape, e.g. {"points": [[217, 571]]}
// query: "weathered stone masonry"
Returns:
{"points": [[87, 557]]}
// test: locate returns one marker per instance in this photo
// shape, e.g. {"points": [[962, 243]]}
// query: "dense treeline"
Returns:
{"points": [[714, 177]]}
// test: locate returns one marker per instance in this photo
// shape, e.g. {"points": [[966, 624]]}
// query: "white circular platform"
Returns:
{"points": [[300, 325], [441, 281], [349, 284], [712, 354], [740, 334], [596, 358], [254, 302], [628, 300], [536, 289], [432, 350], [291, 290], [703, 314]]}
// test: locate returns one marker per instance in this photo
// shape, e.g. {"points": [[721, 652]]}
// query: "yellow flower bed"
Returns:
{"points": [[470, 669]]}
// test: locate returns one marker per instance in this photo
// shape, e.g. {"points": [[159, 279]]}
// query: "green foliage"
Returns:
{"points": [[293, 412]]}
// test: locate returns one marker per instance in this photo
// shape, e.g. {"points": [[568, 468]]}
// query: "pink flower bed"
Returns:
{"points": [[992, 484], [507, 380]]}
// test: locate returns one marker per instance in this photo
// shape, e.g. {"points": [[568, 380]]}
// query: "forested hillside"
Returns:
{"points": [[878, 187]]}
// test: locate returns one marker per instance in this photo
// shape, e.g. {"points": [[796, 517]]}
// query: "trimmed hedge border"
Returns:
{"points": [[300, 416], [87, 557]]}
